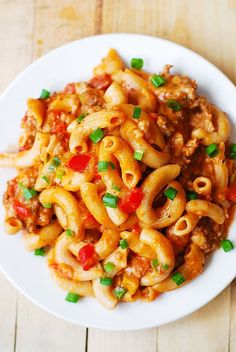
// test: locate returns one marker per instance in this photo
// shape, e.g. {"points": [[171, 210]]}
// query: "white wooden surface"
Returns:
{"points": [[28, 29]]}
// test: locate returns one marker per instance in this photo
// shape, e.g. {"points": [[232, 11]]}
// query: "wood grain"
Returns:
{"points": [[29, 31], [107, 341], [39, 331], [206, 330]]}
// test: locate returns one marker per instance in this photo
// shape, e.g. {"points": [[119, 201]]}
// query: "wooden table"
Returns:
{"points": [[28, 29]]}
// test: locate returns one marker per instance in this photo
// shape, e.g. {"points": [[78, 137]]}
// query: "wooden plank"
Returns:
{"points": [[107, 341], [8, 307], [198, 24], [232, 332], [54, 25], [65, 21], [39, 331], [16, 25], [206, 330]]}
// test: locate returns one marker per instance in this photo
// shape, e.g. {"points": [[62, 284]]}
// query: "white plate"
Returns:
{"points": [[74, 62]]}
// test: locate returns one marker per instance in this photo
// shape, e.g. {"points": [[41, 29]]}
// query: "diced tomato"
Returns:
{"points": [[231, 194], [96, 177], [132, 201], [136, 229], [21, 210], [88, 256], [154, 115], [90, 221], [59, 128], [101, 81], [70, 88], [79, 162]]}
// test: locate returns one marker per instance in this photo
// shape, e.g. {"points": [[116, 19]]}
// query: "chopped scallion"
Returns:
{"points": [[97, 135], [155, 263], [47, 205], [170, 193], [81, 117], [138, 155], [109, 200], [212, 150], [44, 94], [124, 244], [137, 112], [191, 195], [232, 151], [72, 297], [115, 187], [103, 165], [106, 281], [119, 292], [137, 63], [165, 266], [28, 193], [45, 178], [108, 267], [227, 245], [69, 233], [174, 105], [60, 173], [54, 163], [39, 252], [178, 278], [158, 80]]}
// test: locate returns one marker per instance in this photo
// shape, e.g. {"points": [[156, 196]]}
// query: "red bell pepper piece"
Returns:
{"points": [[132, 201], [231, 194], [21, 210], [79, 162], [88, 256], [70, 88]]}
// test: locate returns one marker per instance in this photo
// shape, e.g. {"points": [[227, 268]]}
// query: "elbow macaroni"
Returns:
{"points": [[104, 169]]}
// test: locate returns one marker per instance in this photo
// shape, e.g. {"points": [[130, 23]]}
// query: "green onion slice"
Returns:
{"points": [[47, 205], [81, 117], [137, 63], [44, 94], [227, 245], [123, 244], [106, 281], [108, 267], [103, 165], [39, 252], [191, 195], [115, 187], [72, 297], [165, 266], [212, 150], [28, 193], [69, 233], [54, 163], [155, 263], [97, 135], [138, 155], [170, 193], [178, 278], [109, 200], [119, 292], [174, 105], [158, 80], [232, 151], [60, 173], [137, 112], [45, 178]]}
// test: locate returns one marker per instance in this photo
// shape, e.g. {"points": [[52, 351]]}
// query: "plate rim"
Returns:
{"points": [[5, 92]]}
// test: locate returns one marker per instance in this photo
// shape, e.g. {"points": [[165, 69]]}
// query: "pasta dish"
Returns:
{"points": [[125, 182]]}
